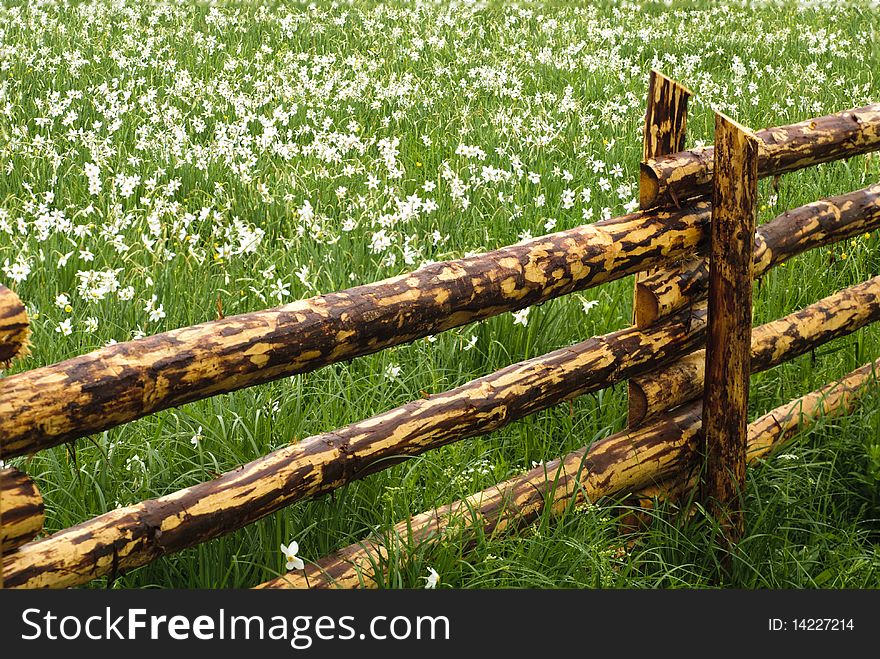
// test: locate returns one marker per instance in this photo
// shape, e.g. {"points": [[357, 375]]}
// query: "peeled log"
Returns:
{"points": [[128, 537], [14, 327], [728, 335], [680, 176], [782, 423], [664, 133], [614, 465], [815, 225], [21, 509], [622, 462], [47, 406], [776, 342]]}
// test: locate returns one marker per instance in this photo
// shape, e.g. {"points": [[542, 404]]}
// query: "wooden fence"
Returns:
{"points": [[688, 356]]}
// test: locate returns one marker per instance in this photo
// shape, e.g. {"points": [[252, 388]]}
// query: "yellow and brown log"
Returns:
{"points": [[664, 132], [14, 327], [21, 509], [615, 465], [119, 383], [626, 461], [815, 225], [679, 176], [774, 343], [134, 535], [779, 425], [728, 336]]}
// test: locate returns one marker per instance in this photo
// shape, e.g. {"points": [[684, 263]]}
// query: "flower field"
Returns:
{"points": [[167, 163]]}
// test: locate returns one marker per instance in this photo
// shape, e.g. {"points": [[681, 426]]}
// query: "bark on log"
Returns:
{"points": [[728, 337], [680, 176], [14, 327], [47, 406], [815, 225], [21, 509], [774, 343], [780, 424], [665, 117], [664, 133], [612, 466], [132, 536], [625, 461]]}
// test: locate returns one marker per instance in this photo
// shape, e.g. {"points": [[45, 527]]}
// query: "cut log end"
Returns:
{"points": [[14, 327], [21, 509], [638, 405], [649, 187], [648, 306]]}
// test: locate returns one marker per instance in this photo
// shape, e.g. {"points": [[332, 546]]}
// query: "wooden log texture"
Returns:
{"points": [[612, 466], [775, 427], [132, 536], [815, 225], [21, 509], [664, 133], [665, 117], [14, 327], [728, 337], [624, 461], [679, 176], [774, 343], [54, 404]]}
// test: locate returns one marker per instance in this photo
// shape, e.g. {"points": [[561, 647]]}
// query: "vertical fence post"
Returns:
{"points": [[665, 128], [728, 343]]}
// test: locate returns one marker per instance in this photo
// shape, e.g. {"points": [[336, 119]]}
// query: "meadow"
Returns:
{"points": [[162, 161]]}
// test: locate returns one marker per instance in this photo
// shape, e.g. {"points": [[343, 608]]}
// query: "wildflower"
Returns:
{"points": [[61, 300], [432, 579], [156, 313], [588, 304], [392, 371], [521, 317], [471, 342], [195, 442], [294, 562], [90, 324], [279, 290], [64, 327]]}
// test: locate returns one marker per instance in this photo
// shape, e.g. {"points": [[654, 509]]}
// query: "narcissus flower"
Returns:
{"points": [[432, 579], [294, 562]]}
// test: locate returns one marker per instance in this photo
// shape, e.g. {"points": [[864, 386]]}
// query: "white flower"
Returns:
{"points": [[156, 313], [392, 371], [521, 317], [90, 324], [279, 289], [294, 562], [195, 442], [432, 579], [588, 304], [62, 300], [471, 342], [64, 327]]}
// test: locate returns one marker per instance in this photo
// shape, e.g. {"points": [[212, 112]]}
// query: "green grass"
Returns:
{"points": [[491, 75]]}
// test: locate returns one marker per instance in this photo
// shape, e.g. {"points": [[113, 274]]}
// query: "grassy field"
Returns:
{"points": [[158, 155]]}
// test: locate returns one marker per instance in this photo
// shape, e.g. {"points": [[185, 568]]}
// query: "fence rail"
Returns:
{"points": [[661, 356]]}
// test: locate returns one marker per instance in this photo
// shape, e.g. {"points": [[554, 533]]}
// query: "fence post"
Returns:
{"points": [[728, 339], [665, 128], [664, 133]]}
